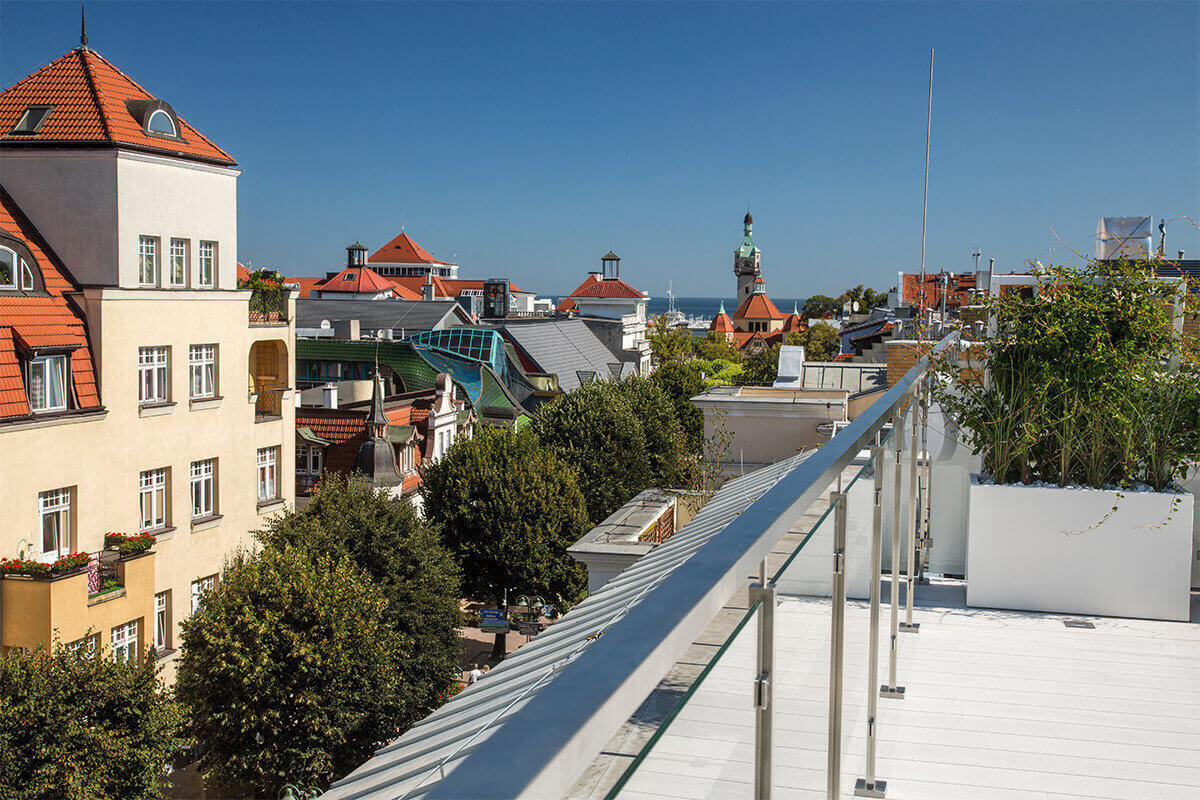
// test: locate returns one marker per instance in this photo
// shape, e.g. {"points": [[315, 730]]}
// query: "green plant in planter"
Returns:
{"points": [[266, 287], [128, 545], [1083, 383]]}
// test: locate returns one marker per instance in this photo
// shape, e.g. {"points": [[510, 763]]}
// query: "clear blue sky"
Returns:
{"points": [[529, 139]]}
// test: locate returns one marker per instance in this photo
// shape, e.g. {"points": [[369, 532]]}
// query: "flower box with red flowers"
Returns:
{"points": [[72, 562], [128, 545]]}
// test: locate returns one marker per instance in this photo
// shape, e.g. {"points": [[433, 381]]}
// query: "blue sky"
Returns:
{"points": [[528, 139]]}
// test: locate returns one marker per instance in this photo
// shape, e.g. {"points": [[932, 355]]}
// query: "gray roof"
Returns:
{"points": [[411, 316], [408, 767], [858, 378], [564, 347]]}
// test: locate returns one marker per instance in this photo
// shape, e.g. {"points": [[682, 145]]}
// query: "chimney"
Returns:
{"points": [[329, 395], [1182, 253], [346, 330], [427, 287]]}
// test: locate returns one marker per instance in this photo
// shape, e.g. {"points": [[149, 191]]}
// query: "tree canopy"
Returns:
{"points": [[667, 343], [78, 728], [681, 381], [508, 509], [404, 557], [761, 367], [666, 443], [822, 342], [291, 671]]}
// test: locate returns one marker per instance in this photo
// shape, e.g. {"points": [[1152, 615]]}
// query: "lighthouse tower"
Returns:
{"points": [[747, 260]]}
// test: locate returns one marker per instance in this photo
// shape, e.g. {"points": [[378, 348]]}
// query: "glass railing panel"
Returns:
{"points": [[704, 747]]}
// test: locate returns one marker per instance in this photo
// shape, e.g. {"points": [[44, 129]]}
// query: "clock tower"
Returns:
{"points": [[747, 260]]}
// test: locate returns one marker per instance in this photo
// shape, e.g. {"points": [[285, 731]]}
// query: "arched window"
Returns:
{"points": [[160, 122], [8, 269], [26, 276]]}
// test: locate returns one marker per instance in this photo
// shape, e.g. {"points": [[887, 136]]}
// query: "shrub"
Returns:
{"points": [[128, 545]]}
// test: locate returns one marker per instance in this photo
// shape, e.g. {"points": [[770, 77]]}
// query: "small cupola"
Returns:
{"points": [[356, 255], [611, 265]]}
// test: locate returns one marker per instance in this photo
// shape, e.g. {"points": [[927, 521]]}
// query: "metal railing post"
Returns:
{"points": [[911, 582], [836, 646], [764, 722], [871, 786], [890, 689], [926, 539]]}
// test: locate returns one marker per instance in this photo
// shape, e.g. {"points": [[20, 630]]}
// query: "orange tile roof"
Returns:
{"points": [[721, 324], [958, 294], [757, 306], [413, 283], [353, 280], [306, 285], [30, 322], [565, 305], [596, 286], [403, 250], [243, 274], [794, 323], [89, 96], [742, 339]]}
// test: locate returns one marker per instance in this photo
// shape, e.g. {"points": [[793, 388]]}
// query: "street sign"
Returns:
{"points": [[528, 628], [493, 619]]}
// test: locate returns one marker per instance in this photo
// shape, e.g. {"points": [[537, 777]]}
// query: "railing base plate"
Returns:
{"points": [[911, 628], [863, 789], [887, 691]]}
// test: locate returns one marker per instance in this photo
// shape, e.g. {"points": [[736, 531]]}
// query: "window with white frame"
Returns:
{"points": [[48, 384], [200, 587], [204, 488], [179, 259], [202, 371], [154, 385], [162, 621], [54, 510], [85, 647], [152, 498], [206, 275], [124, 643], [308, 459], [268, 473], [147, 261], [8, 268]]}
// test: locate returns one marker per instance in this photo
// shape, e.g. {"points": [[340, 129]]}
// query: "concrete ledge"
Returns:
{"points": [[156, 409], [203, 403], [204, 523]]}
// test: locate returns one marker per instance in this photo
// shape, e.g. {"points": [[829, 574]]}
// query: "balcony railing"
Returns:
{"points": [[268, 403], [561, 703], [103, 575], [268, 308]]}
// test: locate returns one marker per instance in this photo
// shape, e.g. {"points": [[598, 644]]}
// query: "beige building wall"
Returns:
{"points": [[101, 459]]}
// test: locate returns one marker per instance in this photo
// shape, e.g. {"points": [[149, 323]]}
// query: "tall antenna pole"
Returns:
{"points": [[925, 205]]}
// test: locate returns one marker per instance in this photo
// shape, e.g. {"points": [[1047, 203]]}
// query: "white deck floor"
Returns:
{"points": [[1000, 706]]}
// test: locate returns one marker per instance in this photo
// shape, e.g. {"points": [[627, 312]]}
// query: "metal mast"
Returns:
{"points": [[925, 204]]}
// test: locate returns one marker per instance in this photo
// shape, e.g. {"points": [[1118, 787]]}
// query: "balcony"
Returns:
{"points": [[111, 589], [795, 639], [268, 403], [268, 308]]}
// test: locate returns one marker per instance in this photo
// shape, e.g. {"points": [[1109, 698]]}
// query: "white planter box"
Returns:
{"points": [[1041, 549]]}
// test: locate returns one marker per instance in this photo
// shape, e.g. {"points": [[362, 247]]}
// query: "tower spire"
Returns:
{"points": [[83, 40]]}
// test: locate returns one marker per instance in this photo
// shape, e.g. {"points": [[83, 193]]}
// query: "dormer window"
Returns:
{"points": [[18, 269], [32, 120], [161, 122], [48, 384], [8, 269]]}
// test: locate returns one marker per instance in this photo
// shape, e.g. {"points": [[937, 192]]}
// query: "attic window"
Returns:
{"points": [[349, 276], [160, 122], [32, 119]]}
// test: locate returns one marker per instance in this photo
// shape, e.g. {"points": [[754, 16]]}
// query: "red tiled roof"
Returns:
{"points": [[363, 279], [28, 322], [243, 274], [565, 305], [844, 357], [457, 285], [596, 286], [403, 250], [959, 293], [794, 323], [757, 306], [306, 285], [742, 339], [721, 324], [413, 283], [89, 97]]}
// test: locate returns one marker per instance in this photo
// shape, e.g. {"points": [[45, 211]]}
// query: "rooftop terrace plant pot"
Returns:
{"points": [[1069, 551]]}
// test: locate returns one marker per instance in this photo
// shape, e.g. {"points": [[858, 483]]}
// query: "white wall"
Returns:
{"points": [[71, 197], [169, 197]]}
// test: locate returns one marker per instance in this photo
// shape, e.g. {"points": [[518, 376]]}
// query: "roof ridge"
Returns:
{"points": [[94, 92]]}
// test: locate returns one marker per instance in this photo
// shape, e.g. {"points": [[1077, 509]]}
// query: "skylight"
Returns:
{"points": [[32, 119], [161, 122]]}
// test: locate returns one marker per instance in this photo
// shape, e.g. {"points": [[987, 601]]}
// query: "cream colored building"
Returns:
{"points": [[140, 389]]}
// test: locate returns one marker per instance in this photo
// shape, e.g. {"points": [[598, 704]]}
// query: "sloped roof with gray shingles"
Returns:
{"points": [[411, 316], [409, 767], [564, 347]]}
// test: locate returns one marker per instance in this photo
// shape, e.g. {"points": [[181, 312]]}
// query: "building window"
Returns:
{"points": [[8, 268], [85, 647], [161, 122], [202, 369], [152, 496], [207, 274], [268, 473], [147, 261], [54, 508], [124, 643], [204, 488], [308, 460], [179, 259], [26, 277], [32, 119], [200, 587], [162, 621], [48, 384], [153, 375]]}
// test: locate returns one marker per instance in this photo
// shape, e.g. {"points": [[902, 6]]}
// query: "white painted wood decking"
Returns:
{"points": [[1000, 706]]}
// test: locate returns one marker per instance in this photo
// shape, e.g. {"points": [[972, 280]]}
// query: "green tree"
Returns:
{"points": [[820, 306], [79, 728], [291, 670], [681, 381], [404, 557], [667, 343], [508, 509], [822, 342], [715, 346], [595, 429], [666, 443], [761, 367]]}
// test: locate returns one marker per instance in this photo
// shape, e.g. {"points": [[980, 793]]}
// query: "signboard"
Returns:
{"points": [[528, 628], [493, 619]]}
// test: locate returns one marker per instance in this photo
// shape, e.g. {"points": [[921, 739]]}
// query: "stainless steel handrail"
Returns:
{"points": [[545, 745]]}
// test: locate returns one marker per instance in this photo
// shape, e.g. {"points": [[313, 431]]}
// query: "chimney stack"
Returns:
{"points": [[329, 395], [427, 287], [1182, 253], [347, 330]]}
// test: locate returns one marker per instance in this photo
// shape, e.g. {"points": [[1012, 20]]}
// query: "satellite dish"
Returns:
{"points": [[855, 306]]}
